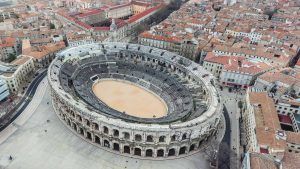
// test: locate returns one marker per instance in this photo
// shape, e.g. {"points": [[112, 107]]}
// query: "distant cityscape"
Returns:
{"points": [[223, 75]]}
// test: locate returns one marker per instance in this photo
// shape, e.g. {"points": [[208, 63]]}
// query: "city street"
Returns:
{"points": [[231, 100]]}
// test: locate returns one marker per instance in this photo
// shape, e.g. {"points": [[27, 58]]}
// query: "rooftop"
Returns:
{"points": [[267, 122]]}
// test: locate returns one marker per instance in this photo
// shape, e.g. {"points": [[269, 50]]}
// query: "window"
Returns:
{"points": [[138, 137], [149, 138], [105, 130], [162, 139], [126, 135]]}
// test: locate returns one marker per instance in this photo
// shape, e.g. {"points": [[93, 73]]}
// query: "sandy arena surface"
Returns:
{"points": [[129, 98]]}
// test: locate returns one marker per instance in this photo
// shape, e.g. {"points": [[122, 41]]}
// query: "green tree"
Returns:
{"points": [[11, 57], [52, 26]]}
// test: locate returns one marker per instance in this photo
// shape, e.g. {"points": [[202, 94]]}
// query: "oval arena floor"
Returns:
{"points": [[130, 99]]}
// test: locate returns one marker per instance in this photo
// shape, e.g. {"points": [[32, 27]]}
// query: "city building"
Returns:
{"points": [[253, 160], [4, 90], [98, 21], [263, 131], [235, 71], [42, 55], [17, 72], [8, 46], [279, 81]]}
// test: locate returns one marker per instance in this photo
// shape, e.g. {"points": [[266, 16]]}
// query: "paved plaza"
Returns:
{"points": [[37, 139]]}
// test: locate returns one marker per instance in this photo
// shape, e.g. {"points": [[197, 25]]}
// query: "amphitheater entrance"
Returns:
{"points": [[182, 150], [127, 149], [149, 153], [171, 152], [137, 151], [130, 98], [160, 153], [116, 147], [192, 148], [97, 140], [106, 144]]}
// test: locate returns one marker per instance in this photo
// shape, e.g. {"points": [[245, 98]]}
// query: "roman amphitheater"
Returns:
{"points": [[135, 100]]}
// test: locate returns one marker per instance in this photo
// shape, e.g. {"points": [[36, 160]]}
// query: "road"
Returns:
{"points": [[231, 100], [23, 103]]}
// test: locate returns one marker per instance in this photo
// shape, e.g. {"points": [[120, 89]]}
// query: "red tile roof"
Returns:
{"points": [[90, 13], [144, 13]]}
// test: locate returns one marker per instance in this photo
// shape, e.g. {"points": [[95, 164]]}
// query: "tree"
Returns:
{"points": [[11, 57], [52, 26]]}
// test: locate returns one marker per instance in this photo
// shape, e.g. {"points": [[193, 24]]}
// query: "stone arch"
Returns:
{"points": [[173, 137], [126, 135], [69, 122], [79, 118], [105, 130], [116, 133], [138, 137], [96, 126], [200, 142], [75, 126], [88, 122], [81, 131], [171, 152], [97, 140], [192, 147], [137, 151], [116, 147], [106, 144], [149, 153], [88, 135], [182, 150], [127, 149], [184, 136], [160, 153], [149, 138], [162, 139]]}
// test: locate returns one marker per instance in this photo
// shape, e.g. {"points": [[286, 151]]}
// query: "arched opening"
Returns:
{"points": [[160, 153], [171, 152], [127, 149], [88, 123], [116, 133], [184, 136], [200, 142], [173, 138], [192, 147], [182, 150], [74, 126], [138, 137], [88, 135], [79, 118], [126, 135], [116, 147], [162, 139], [69, 122], [105, 130], [149, 138], [149, 153], [81, 131], [97, 140], [106, 143], [137, 151], [96, 126]]}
